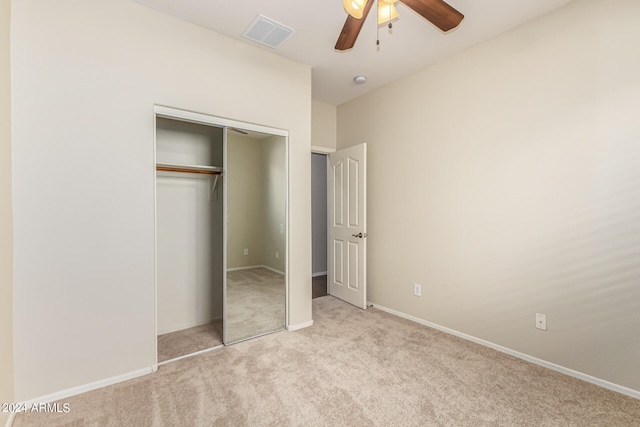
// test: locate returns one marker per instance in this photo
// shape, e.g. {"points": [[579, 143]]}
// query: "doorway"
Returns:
{"points": [[344, 238], [319, 224]]}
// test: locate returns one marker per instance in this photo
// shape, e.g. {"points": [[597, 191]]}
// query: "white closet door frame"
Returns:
{"points": [[224, 236], [206, 119], [189, 116]]}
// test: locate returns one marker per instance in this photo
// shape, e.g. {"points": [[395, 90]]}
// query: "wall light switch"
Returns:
{"points": [[246, 252]]}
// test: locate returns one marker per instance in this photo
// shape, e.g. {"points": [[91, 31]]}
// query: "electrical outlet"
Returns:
{"points": [[541, 321], [417, 290], [246, 252]]}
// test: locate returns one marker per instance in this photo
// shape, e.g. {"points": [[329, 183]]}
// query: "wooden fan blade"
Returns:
{"points": [[351, 29], [439, 13]]}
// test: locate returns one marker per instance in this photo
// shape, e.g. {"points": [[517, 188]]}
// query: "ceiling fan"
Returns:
{"points": [[439, 13]]}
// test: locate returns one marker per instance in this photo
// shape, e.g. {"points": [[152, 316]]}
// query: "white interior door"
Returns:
{"points": [[347, 225]]}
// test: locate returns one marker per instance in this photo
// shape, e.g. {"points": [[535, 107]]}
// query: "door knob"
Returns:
{"points": [[359, 235]]}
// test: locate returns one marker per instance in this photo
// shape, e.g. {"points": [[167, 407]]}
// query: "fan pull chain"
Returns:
{"points": [[390, 25], [377, 26]]}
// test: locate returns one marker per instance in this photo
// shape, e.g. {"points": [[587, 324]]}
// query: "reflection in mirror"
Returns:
{"points": [[256, 239]]}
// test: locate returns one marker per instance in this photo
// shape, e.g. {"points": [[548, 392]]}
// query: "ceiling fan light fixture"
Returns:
{"points": [[355, 8], [438, 12], [386, 12]]}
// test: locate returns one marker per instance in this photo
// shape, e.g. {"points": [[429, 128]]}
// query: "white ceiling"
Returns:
{"points": [[412, 44]]}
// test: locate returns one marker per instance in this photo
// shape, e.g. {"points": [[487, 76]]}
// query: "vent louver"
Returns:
{"points": [[268, 32]]}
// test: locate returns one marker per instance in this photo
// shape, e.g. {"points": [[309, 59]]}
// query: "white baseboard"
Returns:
{"points": [[251, 267], [186, 356], [321, 273], [12, 417], [576, 374], [274, 270], [89, 387], [300, 326]]}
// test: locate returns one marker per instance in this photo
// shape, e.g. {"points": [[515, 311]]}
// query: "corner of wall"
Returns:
{"points": [[6, 215]]}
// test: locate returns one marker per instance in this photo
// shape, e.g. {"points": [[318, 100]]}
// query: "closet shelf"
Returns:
{"points": [[174, 167]]}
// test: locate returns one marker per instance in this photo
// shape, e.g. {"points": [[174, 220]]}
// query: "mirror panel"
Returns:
{"points": [[255, 297]]}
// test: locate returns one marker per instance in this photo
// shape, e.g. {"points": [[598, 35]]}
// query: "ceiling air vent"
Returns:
{"points": [[268, 32]]}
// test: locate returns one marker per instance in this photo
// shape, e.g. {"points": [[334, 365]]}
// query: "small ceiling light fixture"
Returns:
{"points": [[387, 12], [360, 79], [355, 8]]}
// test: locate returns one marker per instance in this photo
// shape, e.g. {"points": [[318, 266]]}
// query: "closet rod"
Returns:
{"points": [[171, 169], [207, 170]]}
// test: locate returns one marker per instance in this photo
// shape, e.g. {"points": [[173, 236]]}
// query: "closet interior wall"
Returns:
{"points": [[189, 227]]}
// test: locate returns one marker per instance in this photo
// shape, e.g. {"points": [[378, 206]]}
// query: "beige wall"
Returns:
{"points": [[245, 200], [88, 74], [323, 125], [6, 214], [508, 185]]}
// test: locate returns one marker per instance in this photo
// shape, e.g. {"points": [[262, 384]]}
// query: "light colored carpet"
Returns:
{"points": [[191, 340], [256, 301], [351, 368], [256, 305]]}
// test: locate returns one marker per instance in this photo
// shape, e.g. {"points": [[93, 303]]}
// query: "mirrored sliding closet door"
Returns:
{"points": [[255, 180]]}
